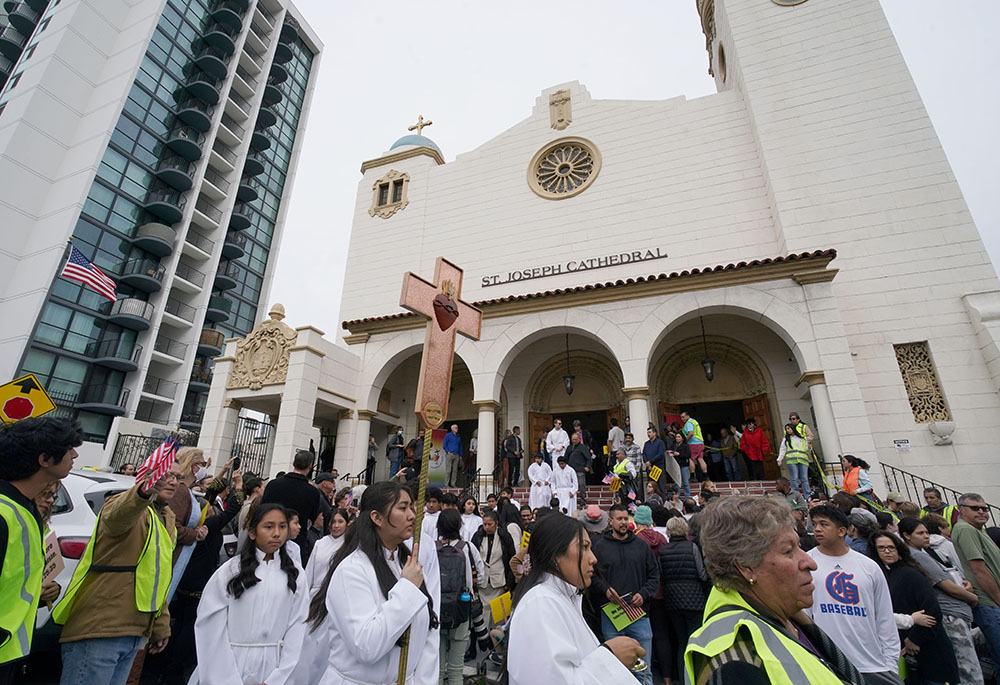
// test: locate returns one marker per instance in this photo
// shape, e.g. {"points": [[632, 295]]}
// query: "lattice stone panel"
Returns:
{"points": [[923, 388]]}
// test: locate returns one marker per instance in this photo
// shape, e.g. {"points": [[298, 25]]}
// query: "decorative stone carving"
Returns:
{"points": [[942, 430], [706, 10], [262, 356], [389, 194], [921, 382], [564, 168], [560, 109]]}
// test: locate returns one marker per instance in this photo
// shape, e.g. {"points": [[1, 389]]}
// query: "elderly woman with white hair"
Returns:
{"points": [[754, 629]]}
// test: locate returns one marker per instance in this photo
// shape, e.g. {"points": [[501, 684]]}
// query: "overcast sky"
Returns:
{"points": [[475, 69]]}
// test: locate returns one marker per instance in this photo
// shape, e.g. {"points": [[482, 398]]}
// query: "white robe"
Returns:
{"points": [[319, 560], [256, 638], [364, 625], [556, 442], [565, 483], [470, 524], [540, 494], [550, 642]]}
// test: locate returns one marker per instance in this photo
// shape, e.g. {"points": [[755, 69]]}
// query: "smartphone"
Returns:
{"points": [[236, 463]]}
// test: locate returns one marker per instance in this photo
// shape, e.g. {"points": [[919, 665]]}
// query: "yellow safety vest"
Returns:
{"points": [[785, 660], [696, 432], [621, 468], [798, 451], [948, 512], [152, 571], [20, 580]]}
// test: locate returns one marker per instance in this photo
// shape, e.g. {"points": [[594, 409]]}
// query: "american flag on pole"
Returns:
{"points": [[79, 268], [157, 463]]}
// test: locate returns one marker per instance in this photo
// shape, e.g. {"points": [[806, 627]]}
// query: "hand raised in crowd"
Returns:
{"points": [[413, 571], [237, 479], [626, 649], [920, 618], [155, 487], [228, 465]]}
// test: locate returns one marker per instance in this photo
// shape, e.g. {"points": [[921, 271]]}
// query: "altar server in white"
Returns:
{"points": [[540, 477], [549, 640], [374, 591], [325, 548], [471, 519], [565, 484], [251, 618]]}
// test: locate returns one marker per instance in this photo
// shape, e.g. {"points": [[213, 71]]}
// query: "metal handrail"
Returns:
{"points": [[213, 52], [912, 486], [185, 132], [211, 336], [145, 266], [174, 162], [217, 180], [190, 274], [250, 80], [239, 239], [159, 387], [223, 151], [254, 56], [114, 348], [231, 124], [129, 306], [170, 347], [208, 210], [240, 101], [104, 394], [199, 240], [165, 195], [180, 310]]}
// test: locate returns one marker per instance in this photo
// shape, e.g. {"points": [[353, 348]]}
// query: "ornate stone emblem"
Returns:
{"points": [[262, 356], [560, 109]]}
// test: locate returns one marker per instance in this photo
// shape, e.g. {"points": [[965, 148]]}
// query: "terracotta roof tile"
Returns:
{"points": [[816, 254]]}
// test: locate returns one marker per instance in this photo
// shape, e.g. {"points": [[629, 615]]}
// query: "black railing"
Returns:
{"points": [[209, 210], [199, 240], [132, 449], [115, 349], [220, 182], [912, 487], [190, 274], [180, 310], [250, 444], [223, 151], [170, 347]]}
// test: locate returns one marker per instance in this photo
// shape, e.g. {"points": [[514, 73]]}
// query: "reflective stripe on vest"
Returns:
{"points": [[621, 467], [785, 660], [152, 571], [20, 580], [948, 512]]}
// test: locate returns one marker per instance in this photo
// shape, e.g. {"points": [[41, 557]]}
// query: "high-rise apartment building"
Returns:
{"points": [[161, 138]]}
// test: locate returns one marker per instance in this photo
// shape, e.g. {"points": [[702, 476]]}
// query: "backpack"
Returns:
{"points": [[451, 558]]}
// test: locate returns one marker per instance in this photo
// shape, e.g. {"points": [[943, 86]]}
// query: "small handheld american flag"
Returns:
{"points": [[79, 268], [157, 463], [634, 613]]}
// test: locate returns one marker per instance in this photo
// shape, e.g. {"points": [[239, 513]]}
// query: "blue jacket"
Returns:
{"points": [[654, 452], [452, 443]]}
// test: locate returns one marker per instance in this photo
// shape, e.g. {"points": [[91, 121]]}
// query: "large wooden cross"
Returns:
{"points": [[440, 302], [447, 315]]}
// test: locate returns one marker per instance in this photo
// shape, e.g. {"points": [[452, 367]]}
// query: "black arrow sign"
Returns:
{"points": [[27, 385]]}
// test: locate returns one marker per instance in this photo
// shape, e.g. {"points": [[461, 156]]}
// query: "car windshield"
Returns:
{"points": [[96, 499]]}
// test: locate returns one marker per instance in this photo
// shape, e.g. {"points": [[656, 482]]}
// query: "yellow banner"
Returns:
{"points": [[616, 484], [654, 473], [500, 608], [525, 538]]}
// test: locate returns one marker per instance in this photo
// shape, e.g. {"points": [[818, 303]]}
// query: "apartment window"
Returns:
{"points": [[398, 182]]}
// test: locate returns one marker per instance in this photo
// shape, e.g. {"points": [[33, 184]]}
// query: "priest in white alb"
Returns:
{"points": [[565, 484]]}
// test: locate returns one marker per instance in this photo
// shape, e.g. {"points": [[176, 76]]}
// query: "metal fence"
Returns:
{"points": [[250, 444], [912, 487], [133, 449]]}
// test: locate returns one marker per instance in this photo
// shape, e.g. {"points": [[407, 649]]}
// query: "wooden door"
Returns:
{"points": [[538, 427], [616, 413], [760, 409], [668, 414]]}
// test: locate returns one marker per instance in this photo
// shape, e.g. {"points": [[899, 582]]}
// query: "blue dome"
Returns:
{"points": [[422, 141]]}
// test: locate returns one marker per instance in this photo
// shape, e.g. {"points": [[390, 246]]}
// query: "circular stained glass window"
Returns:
{"points": [[564, 169]]}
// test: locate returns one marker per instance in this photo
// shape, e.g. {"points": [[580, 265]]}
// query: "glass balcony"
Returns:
{"points": [[201, 380], [203, 86], [254, 165], [218, 309], [116, 354], [175, 171], [129, 312], [195, 113], [11, 40], [23, 18], [227, 277], [103, 399], [159, 387], [143, 274], [210, 342], [213, 60], [272, 95], [185, 141], [282, 53], [229, 12], [221, 36], [248, 190], [155, 238], [165, 203], [278, 74], [289, 31], [235, 246], [190, 274], [266, 118], [170, 347], [192, 420], [240, 218], [260, 140], [199, 240]]}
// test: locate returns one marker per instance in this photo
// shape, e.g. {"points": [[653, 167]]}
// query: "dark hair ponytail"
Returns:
{"points": [[363, 535], [247, 576], [856, 461]]}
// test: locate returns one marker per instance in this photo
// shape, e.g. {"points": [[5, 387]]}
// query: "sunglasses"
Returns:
{"points": [[981, 509]]}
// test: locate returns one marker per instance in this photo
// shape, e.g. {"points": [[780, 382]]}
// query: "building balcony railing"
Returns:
{"points": [[260, 140], [175, 171], [12, 41], [278, 74], [249, 189], [234, 246], [220, 182], [266, 14], [155, 238], [166, 203], [199, 240], [227, 277], [289, 31], [201, 380], [254, 166], [190, 274], [225, 152], [185, 141], [182, 311], [266, 118], [103, 399], [203, 86], [143, 274], [222, 36], [247, 78], [219, 308], [159, 387], [272, 95], [229, 12], [210, 342], [170, 347], [240, 101], [255, 57], [213, 60], [129, 312], [23, 17], [195, 113], [6, 67], [208, 209], [236, 129], [116, 353], [283, 53], [240, 219], [192, 419]]}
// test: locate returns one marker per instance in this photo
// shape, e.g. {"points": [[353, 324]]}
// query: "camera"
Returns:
{"points": [[480, 631]]}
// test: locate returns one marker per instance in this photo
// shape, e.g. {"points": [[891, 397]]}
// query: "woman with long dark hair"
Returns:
{"points": [[549, 640], [856, 480], [471, 519], [251, 618], [325, 548], [373, 591]]}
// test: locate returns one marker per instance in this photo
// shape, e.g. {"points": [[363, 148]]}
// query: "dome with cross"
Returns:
{"points": [[419, 141]]}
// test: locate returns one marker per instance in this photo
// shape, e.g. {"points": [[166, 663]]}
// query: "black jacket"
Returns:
{"points": [[578, 458], [294, 491], [507, 551], [626, 565], [205, 557], [684, 577]]}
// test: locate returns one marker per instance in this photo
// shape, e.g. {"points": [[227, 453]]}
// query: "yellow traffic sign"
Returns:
{"points": [[23, 398]]}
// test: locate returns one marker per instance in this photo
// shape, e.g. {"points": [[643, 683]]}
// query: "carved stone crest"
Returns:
{"points": [[262, 356], [560, 109]]}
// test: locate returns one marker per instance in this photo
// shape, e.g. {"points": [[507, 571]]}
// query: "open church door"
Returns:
{"points": [[759, 408], [538, 427], [668, 413]]}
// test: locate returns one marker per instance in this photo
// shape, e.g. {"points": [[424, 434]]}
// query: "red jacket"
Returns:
{"points": [[754, 444]]}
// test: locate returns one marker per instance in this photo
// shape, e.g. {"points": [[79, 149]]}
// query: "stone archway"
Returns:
{"points": [[602, 377], [739, 371]]}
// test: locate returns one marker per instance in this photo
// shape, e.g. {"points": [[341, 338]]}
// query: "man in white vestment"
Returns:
{"points": [[564, 482], [556, 441]]}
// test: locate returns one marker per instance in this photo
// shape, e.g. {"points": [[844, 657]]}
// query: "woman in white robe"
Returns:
{"points": [[549, 642], [540, 476], [565, 484], [375, 592], [324, 549], [471, 520], [251, 624]]}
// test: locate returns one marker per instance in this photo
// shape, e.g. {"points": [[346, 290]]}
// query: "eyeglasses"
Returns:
{"points": [[886, 548], [980, 508]]}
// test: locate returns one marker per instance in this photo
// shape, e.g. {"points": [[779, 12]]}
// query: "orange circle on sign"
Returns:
{"points": [[17, 408]]}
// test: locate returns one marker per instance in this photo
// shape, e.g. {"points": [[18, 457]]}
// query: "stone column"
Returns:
{"points": [[219, 430], [826, 426], [638, 413], [362, 428], [298, 407], [486, 456], [342, 452]]}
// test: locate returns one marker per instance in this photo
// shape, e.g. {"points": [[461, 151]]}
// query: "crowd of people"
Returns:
{"points": [[329, 585]]}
